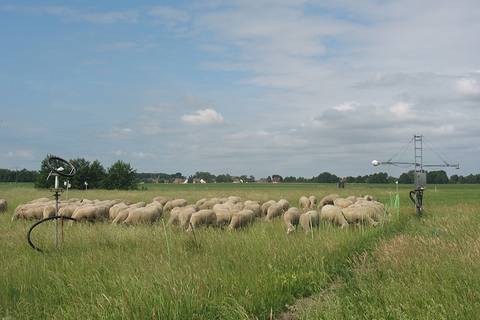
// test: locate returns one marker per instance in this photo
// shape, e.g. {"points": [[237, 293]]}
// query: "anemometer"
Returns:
{"points": [[420, 175], [58, 167]]}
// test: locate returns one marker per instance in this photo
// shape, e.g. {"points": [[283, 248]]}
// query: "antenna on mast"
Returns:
{"points": [[420, 176]]}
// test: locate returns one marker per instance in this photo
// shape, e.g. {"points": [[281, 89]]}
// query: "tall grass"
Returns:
{"points": [[139, 272], [430, 271]]}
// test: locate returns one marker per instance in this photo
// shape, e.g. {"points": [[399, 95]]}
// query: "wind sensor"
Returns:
{"points": [[420, 175], [58, 167]]}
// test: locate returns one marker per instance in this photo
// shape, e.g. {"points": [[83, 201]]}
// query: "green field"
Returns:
{"points": [[409, 268]]}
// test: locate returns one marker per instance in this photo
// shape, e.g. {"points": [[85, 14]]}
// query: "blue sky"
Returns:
{"points": [[245, 87]]}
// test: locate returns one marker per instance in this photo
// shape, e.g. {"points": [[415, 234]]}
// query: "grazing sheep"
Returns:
{"points": [[222, 200], [28, 211], [3, 205], [68, 210], [49, 211], [91, 213], [234, 199], [328, 199], [313, 202], [200, 202], [238, 206], [241, 219], [309, 220], [174, 203], [352, 198], [156, 204], [304, 203], [114, 210], [291, 218], [39, 200], [123, 213], [368, 212], [284, 203], [223, 211], [203, 217], [209, 203], [275, 210], [174, 214], [342, 203], [266, 205], [255, 207], [333, 214], [223, 217], [148, 214], [185, 215], [161, 199]]}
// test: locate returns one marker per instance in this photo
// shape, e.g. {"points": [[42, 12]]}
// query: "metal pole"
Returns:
{"points": [[56, 211]]}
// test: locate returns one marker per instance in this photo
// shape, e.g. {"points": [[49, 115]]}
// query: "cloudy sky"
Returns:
{"points": [[245, 87]]}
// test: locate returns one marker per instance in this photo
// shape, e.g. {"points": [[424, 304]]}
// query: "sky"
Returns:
{"points": [[258, 87]]}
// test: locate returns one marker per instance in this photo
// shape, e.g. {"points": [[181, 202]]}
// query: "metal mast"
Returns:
{"points": [[420, 176], [418, 150]]}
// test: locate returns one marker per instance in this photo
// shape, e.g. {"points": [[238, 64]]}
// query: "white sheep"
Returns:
{"points": [[265, 207], [309, 220], [303, 203], [275, 210], [204, 217], [328, 199], [3, 205], [284, 203], [333, 214], [291, 218], [241, 219]]}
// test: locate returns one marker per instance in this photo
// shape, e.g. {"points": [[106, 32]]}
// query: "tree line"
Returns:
{"points": [[92, 175], [121, 175]]}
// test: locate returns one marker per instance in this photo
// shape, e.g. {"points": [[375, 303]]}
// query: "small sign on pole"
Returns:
{"points": [[86, 185]]}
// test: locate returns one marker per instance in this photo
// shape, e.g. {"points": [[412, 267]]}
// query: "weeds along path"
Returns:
{"points": [[343, 266], [430, 271]]}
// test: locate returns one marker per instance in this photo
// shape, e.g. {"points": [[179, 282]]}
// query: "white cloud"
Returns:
{"points": [[468, 87], [401, 109], [203, 117], [347, 106]]}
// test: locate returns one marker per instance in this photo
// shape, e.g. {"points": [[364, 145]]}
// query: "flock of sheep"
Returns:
{"points": [[231, 212]]}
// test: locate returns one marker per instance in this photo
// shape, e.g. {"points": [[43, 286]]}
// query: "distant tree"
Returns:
{"points": [[251, 179], [96, 175], [82, 166], [290, 179], [454, 179], [206, 176], [437, 177], [380, 177], [223, 178], [277, 178], [121, 176], [41, 181], [23, 175], [326, 177], [406, 178]]}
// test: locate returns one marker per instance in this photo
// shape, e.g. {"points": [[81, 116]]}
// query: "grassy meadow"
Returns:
{"points": [[407, 268]]}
